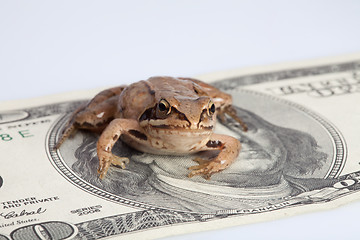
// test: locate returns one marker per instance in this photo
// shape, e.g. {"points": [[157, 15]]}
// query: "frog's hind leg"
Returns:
{"points": [[93, 116], [69, 129], [230, 110]]}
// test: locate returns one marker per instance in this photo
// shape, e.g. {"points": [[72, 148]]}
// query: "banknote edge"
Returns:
{"points": [[212, 77]]}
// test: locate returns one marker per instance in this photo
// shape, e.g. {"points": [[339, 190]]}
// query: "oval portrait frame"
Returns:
{"points": [[56, 159]]}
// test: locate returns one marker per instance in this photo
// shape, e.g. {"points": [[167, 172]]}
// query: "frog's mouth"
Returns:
{"points": [[167, 131], [164, 126], [179, 136]]}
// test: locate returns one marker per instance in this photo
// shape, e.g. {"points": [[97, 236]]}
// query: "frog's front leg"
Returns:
{"points": [[108, 138], [229, 150]]}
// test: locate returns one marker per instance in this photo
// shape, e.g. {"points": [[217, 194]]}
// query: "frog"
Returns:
{"points": [[161, 115]]}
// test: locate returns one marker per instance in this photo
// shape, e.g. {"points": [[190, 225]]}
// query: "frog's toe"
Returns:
{"points": [[202, 164], [106, 159], [120, 161], [201, 161], [205, 168], [197, 167], [205, 172], [103, 168]]}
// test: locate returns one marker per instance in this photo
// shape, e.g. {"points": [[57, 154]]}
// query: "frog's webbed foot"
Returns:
{"points": [[106, 159], [229, 110], [205, 168], [229, 148]]}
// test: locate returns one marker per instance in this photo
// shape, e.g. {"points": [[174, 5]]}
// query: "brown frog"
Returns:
{"points": [[162, 115]]}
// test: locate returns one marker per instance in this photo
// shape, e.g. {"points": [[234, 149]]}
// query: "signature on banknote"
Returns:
{"points": [[16, 214]]}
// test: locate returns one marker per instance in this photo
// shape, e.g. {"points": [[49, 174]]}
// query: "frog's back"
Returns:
{"points": [[134, 99], [139, 96], [167, 87]]}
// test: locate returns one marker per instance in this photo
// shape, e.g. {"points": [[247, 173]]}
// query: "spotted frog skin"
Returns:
{"points": [[162, 115]]}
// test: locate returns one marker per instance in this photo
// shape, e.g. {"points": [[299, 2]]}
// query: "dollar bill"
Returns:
{"points": [[300, 154]]}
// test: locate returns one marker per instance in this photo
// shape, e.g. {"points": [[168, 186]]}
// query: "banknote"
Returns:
{"points": [[300, 154]]}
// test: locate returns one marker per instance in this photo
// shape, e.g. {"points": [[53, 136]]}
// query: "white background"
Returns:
{"points": [[49, 47]]}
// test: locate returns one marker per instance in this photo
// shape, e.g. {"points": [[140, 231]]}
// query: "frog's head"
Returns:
{"points": [[179, 106]]}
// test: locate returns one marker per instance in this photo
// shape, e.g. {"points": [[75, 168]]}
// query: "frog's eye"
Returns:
{"points": [[211, 108], [164, 106]]}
